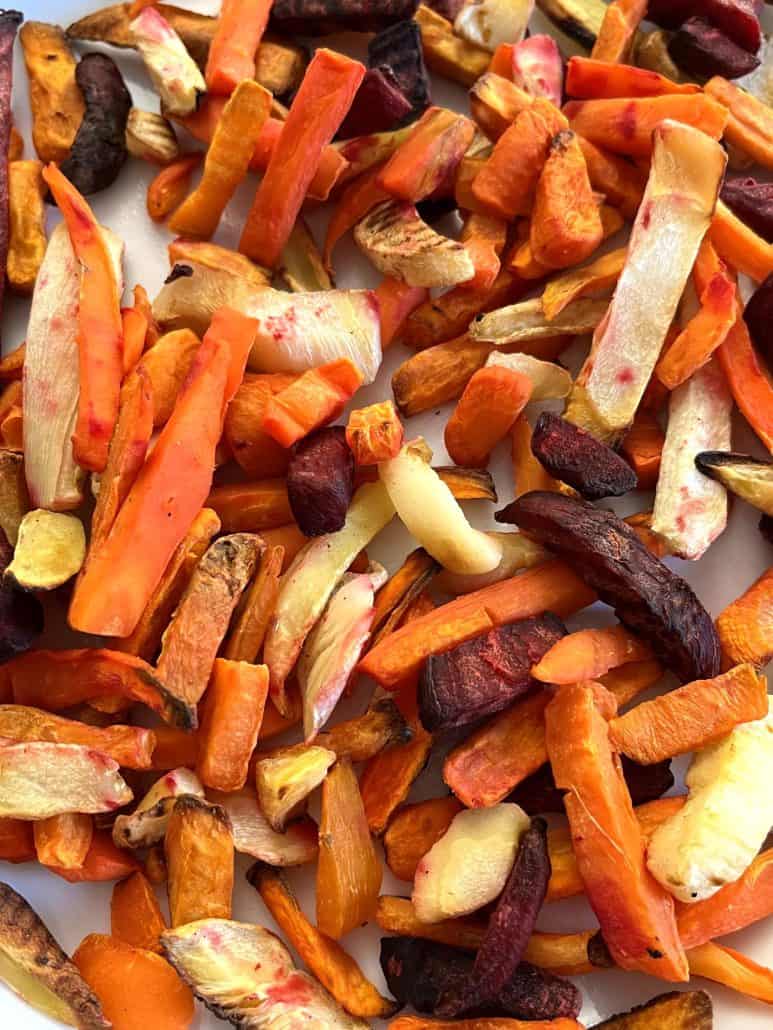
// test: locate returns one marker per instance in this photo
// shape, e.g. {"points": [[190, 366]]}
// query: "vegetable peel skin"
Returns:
{"points": [[675, 213]]}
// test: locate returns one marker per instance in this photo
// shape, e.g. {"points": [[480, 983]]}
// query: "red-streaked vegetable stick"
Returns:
{"points": [[231, 58], [618, 29], [169, 491], [429, 157], [315, 398], [750, 125], [736, 905], [396, 301], [588, 654], [319, 107], [100, 332], [739, 245], [590, 79]]}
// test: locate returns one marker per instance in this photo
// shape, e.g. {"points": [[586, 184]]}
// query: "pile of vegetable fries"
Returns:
{"points": [[195, 479]]}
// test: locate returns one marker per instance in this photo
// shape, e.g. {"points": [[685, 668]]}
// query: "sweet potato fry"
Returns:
{"points": [[251, 507], [446, 53], [56, 101], [226, 161], [593, 79], [335, 969], [739, 245], [428, 157], [528, 473], [134, 325], [233, 714], [168, 189], [135, 915], [255, 451], [604, 829], [691, 717], [199, 851], [621, 182], [492, 400], [745, 627], [730, 968], [413, 831], [496, 102], [231, 58], [27, 224], [589, 654], [104, 862], [63, 840], [246, 637], [614, 41]]}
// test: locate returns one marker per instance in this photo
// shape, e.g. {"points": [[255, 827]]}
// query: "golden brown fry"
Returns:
{"points": [[598, 277], [361, 738], [468, 484], [280, 65], [27, 224], [284, 781], [199, 853], [246, 638], [55, 99], [691, 1010], [167, 363], [63, 840], [14, 501], [446, 53], [404, 585], [335, 969], [15, 145]]}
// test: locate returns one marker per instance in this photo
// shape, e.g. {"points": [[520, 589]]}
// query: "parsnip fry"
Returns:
{"points": [[526, 321]]}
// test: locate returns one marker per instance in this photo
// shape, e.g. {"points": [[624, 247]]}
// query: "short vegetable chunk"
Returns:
{"points": [[745, 627], [135, 916], [27, 240], [63, 841], [374, 434], [316, 397], [320, 481], [233, 713], [492, 400], [55, 99], [50, 550], [199, 851], [576, 457]]}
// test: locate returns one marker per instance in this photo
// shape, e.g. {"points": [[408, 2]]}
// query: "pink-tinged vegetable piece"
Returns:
{"points": [[320, 481], [691, 509], [538, 68], [400, 48], [702, 50], [687, 169], [485, 675], [254, 836], [576, 457], [9, 24], [378, 105], [174, 73], [41, 779]]}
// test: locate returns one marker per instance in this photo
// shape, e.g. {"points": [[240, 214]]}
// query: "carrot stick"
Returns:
{"points": [[100, 334], [739, 245], [735, 906], [256, 452], [506, 184], [429, 157], [251, 507], [748, 380], [492, 400], [622, 183], [691, 717], [167, 364], [484, 237], [745, 627], [16, 841], [134, 327], [233, 713], [588, 654], [63, 840], [592, 79], [169, 491], [549, 587], [706, 331], [126, 455], [136, 988], [750, 125], [167, 190], [143, 305], [203, 123], [103, 862], [730, 968], [246, 638], [614, 41], [642, 448], [227, 158], [528, 473], [135, 915], [636, 915], [315, 398], [565, 225], [625, 126], [319, 107], [396, 301], [502, 61], [231, 58]]}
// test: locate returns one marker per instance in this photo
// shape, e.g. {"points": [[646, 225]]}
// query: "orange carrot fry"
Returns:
{"points": [[135, 915], [315, 398], [739, 245], [745, 627], [706, 331], [16, 841], [413, 831], [642, 448], [750, 125], [319, 107], [492, 400], [730, 968], [255, 451], [621, 182], [691, 717], [136, 988], [251, 507], [429, 157], [748, 380], [528, 473], [636, 915], [506, 184], [227, 159], [103, 862], [396, 301], [625, 126], [100, 335], [356, 200], [231, 58], [233, 713], [143, 305], [591, 79], [735, 906], [565, 225], [246, 637], [502, 61], [126, 454], [167, 364], [614, 41], [167, 191], [64, 840], [169, 491], [597, 277], [175, 748], [588, 654], [484, 237], [134, 325], [374, 433]]}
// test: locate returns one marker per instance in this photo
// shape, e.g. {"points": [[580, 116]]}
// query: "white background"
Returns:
{"points": [[72, 911]]}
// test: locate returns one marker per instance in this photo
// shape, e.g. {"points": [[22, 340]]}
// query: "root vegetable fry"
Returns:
{"points": [[565, 225], [378, 105], [233, 714], [335, 969], [150, 137], [231, 59], [739, 245], [374, 434], [104, 862], [55, 99], [488, 1023], [135, 915], [748, 380], [226, 160], [284, 782], [251, 507], [589, 654], [706, 331], [318, 109], [396, 300], [484, 237], [437, 375], [730, 968], [245, 639], [618, 30], [428, 157], [495, 103], [579, 282], [594, 79], [414, 830], [745, 627], [642, 448], [199, 850], [349, 870], [167, 191], [636, 914], [750, 125], [506, 184], [169, 490], [27, 224], [134, 328], [316, 397], [625, 126], [167, 364], [621, 182], [175, 748], [446, 53], [100, 334], [171, 68], [136, 988], [359, 197], [63, 840], [492, 400], [255, 451]]}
